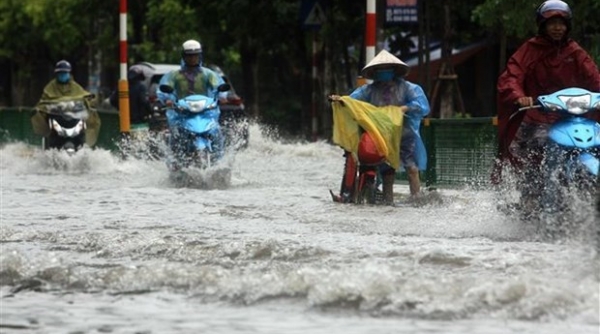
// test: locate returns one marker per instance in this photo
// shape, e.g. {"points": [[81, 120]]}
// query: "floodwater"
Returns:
{"points": [[96, 244]]}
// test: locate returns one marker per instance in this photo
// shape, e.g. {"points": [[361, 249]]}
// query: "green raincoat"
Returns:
{"points": [[54, 92]]}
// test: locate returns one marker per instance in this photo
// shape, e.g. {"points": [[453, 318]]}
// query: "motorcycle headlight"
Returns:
{"points": [[552, 106], [57, 128], [196, 106], [577, 104]]}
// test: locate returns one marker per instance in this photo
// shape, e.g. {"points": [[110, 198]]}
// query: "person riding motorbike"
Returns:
{"points": [[545, 63], [192, 78], [389, 87], [60, 87], [139, 105]]}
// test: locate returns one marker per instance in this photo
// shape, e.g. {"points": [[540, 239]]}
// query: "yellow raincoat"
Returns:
{"points": [[384, 124]]}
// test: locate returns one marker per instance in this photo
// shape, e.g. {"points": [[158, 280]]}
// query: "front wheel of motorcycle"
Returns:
{"points": [[202, 159]]}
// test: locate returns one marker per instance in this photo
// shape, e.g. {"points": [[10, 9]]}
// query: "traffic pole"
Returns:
{"points": [[314, 87], [370, 37], [124, 120], [370, 31]]}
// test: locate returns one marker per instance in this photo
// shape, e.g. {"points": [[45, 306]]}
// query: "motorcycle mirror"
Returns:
{"points": [[166, 89], [224, 87]]}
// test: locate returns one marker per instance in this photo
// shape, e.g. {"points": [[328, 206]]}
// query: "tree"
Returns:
{"points": [[37, 30], [260, 44], [516, 19]]}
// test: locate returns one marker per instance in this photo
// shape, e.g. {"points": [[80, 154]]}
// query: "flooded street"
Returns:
{"points": [[96, 244]]}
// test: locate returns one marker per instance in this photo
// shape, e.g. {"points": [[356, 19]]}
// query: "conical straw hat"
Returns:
{"points": [[385, 59]]}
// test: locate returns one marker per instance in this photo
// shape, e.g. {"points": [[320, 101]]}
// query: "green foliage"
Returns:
{"points": [[515, 17], [57, 28], [16, 21], [176, 22], [260, 44]]}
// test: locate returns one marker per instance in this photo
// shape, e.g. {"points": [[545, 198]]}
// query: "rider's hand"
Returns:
{"points": [[525, 101], [169, 103], [334, 97]]}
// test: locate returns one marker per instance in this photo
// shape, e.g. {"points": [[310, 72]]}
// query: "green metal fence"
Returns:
{"points": [[15, 125], [461, 151]]}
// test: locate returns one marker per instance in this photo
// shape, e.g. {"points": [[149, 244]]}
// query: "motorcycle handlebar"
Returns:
{"points": [[536, 106], [540, 106]]}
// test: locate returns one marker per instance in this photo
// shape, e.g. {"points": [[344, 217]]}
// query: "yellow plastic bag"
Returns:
{"points": [[384, 124]]}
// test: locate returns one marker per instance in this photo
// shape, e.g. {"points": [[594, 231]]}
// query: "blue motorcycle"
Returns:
{"points": [[572, 160], [194, 135]]}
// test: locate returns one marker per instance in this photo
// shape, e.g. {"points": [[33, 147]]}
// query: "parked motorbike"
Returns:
{"points": [[67, 122], [194, 135], [572, 157]]}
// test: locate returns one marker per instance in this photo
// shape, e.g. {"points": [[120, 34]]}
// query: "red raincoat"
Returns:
{"points": [[540, 67]]}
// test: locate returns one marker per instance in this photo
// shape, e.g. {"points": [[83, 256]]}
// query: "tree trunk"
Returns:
{"points": [[249, 59], [502, 50]]}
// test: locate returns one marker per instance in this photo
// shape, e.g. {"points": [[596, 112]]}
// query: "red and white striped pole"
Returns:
{"points": [[124, 120], [370, 31], [370, 37], [314, 87]]}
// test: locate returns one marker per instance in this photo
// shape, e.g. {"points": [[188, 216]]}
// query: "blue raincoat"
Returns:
{"points": [[186, 82], [400, 93]]}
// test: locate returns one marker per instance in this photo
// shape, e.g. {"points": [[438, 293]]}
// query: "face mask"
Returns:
{"points": [[384, 75], [63, 77]]}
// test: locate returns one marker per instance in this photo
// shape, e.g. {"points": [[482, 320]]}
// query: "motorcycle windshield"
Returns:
{"points": [[69, 110], [574, 100], [576, 133]]}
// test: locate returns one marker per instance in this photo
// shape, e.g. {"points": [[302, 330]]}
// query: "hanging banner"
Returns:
{"points": [[400, 12]]}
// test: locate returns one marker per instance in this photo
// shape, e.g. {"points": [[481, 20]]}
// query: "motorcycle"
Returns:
{"points": [[572, 157], [360, 179], [194, 135], [67, 123], [376, 144]]}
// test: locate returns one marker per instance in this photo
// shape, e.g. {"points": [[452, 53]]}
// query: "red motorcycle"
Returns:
{"points": [[359, 183], [370, 137]]}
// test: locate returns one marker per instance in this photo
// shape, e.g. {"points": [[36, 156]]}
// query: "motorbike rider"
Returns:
{"points": [[63, 85], [191, 78], [389, 87], [545, 63], [139, 104]]}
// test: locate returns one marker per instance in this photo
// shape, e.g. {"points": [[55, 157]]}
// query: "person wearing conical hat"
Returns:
{"points": [[389, 87]]}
